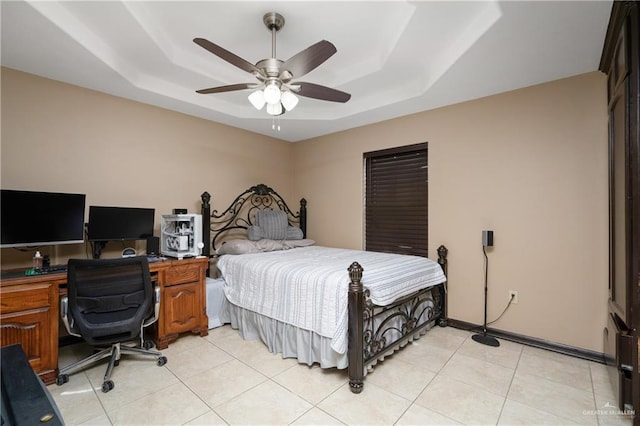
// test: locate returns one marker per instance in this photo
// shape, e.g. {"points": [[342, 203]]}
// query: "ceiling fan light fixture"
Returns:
{"points": [[257, 99], [289, 100], [277, 90], [274, 109], [272, 94]]}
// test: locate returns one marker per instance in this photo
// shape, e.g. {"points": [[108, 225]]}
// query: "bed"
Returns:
{"points": [[328, 306]]}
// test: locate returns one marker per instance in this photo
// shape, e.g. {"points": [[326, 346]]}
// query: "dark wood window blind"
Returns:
{"points": [[396, 193]]}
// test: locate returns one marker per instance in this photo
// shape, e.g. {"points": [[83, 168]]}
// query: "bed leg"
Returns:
{"points": [[444, 264], [356, 328]]}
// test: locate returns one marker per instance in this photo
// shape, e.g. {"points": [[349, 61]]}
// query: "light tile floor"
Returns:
{"points": [[443, 378]]}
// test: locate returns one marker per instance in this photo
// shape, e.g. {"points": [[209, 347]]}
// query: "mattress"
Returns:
{"points": [[307, 287]]}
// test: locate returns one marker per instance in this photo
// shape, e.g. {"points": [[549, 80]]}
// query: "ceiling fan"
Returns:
{"points": [[275, 87]]}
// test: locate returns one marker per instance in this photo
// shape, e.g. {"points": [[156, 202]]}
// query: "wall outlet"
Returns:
{"points": [[513, 296]]}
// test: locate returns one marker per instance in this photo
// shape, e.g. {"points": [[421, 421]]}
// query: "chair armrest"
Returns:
{"points": [[64, 314], [156, 308]]}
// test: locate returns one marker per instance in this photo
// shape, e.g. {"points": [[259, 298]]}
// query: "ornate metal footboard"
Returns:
{"points": [[376, 331]]}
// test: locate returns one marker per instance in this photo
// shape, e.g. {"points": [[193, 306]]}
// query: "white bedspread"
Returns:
{"points": [[307, 287]]}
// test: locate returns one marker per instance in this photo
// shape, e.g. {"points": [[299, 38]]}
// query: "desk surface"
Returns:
{"points": [[18, 276]]}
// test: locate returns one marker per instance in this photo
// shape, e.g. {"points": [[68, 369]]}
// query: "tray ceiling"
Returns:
{"points": [[395, 58]]}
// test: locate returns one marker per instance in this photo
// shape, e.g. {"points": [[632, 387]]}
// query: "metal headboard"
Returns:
{"points": [[241, 214]]}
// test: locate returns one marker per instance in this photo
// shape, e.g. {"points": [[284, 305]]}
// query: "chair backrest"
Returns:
{"points": [[109, 298]]}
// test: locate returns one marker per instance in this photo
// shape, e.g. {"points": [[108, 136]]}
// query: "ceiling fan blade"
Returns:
{"points": [[316, 91], [309, 59], [229, 57], [229, 88]]}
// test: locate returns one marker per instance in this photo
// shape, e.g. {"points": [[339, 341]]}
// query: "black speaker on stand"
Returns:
{"points": [[487, 241]]}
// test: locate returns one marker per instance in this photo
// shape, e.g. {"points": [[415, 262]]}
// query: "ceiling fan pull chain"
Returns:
{"points": [[275, 126]]}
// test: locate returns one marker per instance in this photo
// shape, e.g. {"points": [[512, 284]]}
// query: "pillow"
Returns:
{"points": [[294, 233], [264, 245], [289, 244], [255, 233], [274, 224], [237, 247]]}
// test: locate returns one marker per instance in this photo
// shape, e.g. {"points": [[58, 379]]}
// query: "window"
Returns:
{"points": [[396, 219]]}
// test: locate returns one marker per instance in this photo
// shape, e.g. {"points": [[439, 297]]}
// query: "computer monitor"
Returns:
{"points": [[120, 223], [35, 218]]}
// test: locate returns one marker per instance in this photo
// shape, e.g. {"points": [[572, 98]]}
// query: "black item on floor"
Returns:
{"points": [[25, 399]]}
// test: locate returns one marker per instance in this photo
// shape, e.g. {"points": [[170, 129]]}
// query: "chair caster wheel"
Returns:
{"points": [[62, 379], [162, 361], [107, 386], [148, 344]]}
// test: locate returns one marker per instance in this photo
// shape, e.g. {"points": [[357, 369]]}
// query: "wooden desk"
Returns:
{"points": [[30, 310]]}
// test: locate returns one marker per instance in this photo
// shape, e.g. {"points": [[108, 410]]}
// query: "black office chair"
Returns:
{"points": [[109, 303]]}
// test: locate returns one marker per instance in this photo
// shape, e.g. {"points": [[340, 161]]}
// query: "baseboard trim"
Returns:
{"points": [[531, 341]]}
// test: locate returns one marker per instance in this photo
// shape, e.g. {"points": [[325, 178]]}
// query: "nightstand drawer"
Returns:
{"points": [[180, 274]]}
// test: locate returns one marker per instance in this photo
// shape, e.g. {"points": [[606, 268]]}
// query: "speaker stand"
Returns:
{"points": [[483, 338], [486, 340]]}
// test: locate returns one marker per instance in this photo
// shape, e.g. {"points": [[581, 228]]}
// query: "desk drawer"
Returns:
{"points": [[24, 297], [181, 274]]}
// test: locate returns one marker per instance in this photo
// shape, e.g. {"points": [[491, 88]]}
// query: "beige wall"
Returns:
{"points": [[59, 137], [531, 165]]}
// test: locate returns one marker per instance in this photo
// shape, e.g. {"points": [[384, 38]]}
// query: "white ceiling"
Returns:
{"points": [[394, 57]]}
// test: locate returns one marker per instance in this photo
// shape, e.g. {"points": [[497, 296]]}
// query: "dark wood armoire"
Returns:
{"points": [[621, 62]]}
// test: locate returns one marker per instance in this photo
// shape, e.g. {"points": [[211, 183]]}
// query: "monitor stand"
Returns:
{"points": [[97, 248]]}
